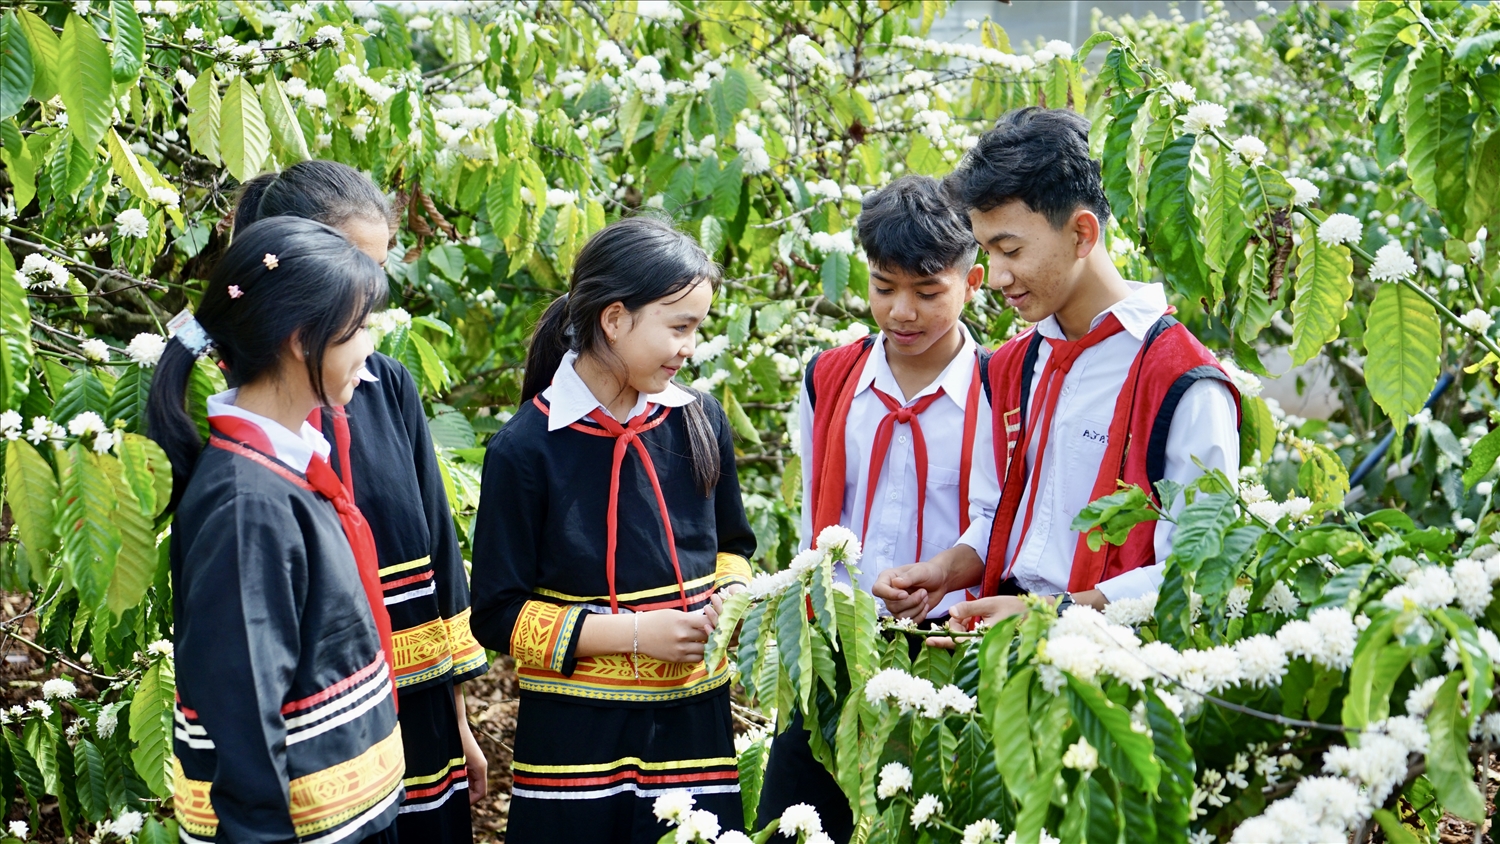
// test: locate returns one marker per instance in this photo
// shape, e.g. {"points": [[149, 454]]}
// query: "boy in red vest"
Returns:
{"points": [[889, 425], [1105, 386]]}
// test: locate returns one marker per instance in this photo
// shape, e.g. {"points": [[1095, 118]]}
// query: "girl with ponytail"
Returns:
{"points": [[384, 452], [609, 528], [286, 720]]}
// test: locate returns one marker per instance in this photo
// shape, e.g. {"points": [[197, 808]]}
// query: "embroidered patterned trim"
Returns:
{"points": [[320, 801], [632, 761], [698, 583], [468, 654], [426, 788], [324, 799], [613, 678], [542, 635], [681, 772], [732, 568], [422, 653]]}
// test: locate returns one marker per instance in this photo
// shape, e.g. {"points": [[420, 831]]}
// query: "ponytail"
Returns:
{"points": [[703, 443], [167, 419], [549, 342]]}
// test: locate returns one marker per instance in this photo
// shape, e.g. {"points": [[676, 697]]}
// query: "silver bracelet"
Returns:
{"points": [[635, 646]]}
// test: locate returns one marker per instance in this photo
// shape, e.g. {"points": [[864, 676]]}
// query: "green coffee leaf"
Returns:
{"points": [[1402, 342]]}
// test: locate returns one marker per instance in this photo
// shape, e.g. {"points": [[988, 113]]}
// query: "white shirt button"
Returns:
{"points": [[892, 496], [902, 438]]}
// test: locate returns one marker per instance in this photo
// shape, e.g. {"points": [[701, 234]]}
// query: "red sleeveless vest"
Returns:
{"points": [[1170, 361], [833, 376]]}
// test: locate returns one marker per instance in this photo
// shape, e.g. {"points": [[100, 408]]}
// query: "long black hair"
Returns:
{"points": [[635, 262], [281, 277], [326, 191]]}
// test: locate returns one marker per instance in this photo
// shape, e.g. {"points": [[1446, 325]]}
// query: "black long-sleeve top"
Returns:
{"points": [[286, 728], [540, 550], [398, 486]]}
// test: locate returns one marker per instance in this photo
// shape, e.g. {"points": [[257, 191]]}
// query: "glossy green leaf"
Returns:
{"points": [[46, 54], [1448, 753], [1437, 125], [290, 143], [1128, 754], [87, 527], [244, 138], [1402, 343], [1171, 223], [16, 70], [503, 200], [204, 116], [31, 494], [128, 53], [85, 82], [1119, 158], [1324, 284], [15, 335], [90, 776], [1482, 458], [151, 727], [1200, 528], [136, 561]]}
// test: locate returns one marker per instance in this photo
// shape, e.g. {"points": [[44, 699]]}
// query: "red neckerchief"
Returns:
{"points": [[896, 414], [1059, 362]]}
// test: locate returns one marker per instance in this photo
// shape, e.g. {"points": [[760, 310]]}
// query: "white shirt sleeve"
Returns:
{"points": [[1204, 426], [984, 485], [805, 451]]}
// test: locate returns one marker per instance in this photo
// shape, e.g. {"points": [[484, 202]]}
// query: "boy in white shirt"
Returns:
{"points": [[893, 427], [1105, 387]]}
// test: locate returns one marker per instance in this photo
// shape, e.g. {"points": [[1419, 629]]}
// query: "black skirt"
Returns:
{"points": [[592, 773], [436, 808]]}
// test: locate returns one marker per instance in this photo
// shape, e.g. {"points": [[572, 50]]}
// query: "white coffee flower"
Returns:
{"points": [[1305, 192], [926, 812], [1081, 756], [146, 348], [420, 23], [160, 647], [316, 98], [1182, 91], [1249, 148], [1237, 603], [841, 243], [894, 779], [699, 825], [710, 349], [1477, 320], [733, 836], [1340, 228], [330, 35], [10, 425], [107, 721], [800, 818], [1432, 587], [132, 223], [19, 829], [85, 423], [1392, 263], [840, 538], [981, 832], [40, 707], [59, 689], [1297, 508], [1202, 117], [128, 823], [673, 806], [95, 350], [1280, 600]]}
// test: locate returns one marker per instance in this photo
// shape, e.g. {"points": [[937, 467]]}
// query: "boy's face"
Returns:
{"points": [[1034, 266], [916, 311]]}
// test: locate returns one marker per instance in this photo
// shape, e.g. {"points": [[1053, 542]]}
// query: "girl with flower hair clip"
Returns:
{"points": [[610, 524], [383, 451], [286, 716]]}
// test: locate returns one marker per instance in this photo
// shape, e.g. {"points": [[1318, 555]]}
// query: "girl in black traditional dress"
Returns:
{"points": [[610, 525], [286, 720], [384, 453]]}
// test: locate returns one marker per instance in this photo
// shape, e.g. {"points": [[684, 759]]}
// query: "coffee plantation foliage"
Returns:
{"points": [[1319, 661]]}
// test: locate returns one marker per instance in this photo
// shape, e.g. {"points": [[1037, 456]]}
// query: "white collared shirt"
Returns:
{"points": [[1204, 426], [294, 448], [569, 399], [892, 536]]}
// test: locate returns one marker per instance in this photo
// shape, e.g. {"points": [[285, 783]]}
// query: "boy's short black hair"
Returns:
{"points": [[912, 225], [1039, 156]]}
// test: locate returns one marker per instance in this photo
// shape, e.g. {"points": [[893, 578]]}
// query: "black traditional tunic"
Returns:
{"points": [[399, 487], [595, 743], [286, 728]]}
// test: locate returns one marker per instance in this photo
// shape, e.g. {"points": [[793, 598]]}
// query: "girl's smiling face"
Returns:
{"points": [[655, 341]]}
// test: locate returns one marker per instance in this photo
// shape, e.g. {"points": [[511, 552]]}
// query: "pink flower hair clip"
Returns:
{"points": [[270, 261], [235, 292]]}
